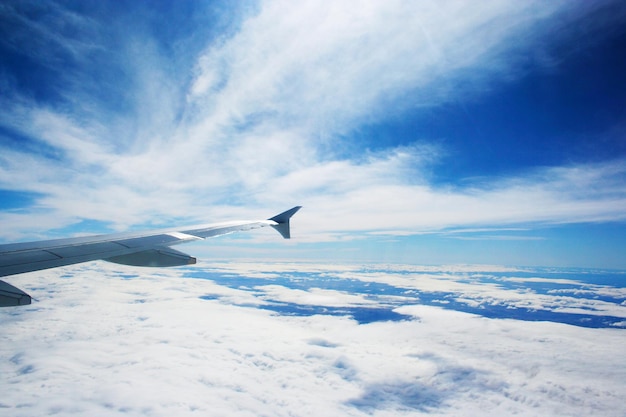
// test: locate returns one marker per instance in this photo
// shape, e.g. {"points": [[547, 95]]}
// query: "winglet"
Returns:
{"points": [[283, 221]]}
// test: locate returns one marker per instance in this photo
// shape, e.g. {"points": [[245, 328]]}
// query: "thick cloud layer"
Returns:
{"points": [[105, 340]]}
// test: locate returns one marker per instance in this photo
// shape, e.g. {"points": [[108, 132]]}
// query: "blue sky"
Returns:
{"points": [[417, 132]]}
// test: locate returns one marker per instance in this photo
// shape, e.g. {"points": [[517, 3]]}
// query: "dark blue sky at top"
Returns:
{"points": [[571, 111], [40, 67]]}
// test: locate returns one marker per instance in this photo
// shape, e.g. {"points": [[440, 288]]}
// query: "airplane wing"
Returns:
{"points": [[152, 248]]}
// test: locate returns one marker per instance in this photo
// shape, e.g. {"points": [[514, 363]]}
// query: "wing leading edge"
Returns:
{"points": [[150, 248]]}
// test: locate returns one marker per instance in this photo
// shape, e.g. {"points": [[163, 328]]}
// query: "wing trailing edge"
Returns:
{"points": [[158, 257]]}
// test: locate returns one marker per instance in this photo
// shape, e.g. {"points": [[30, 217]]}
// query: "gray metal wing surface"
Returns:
{"points": [[149, 248]]}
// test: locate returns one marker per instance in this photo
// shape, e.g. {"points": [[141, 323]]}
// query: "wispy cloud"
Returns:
{"points": [[263, 117]]}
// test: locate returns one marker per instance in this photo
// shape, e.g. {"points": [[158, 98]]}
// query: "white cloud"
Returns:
{"points": [[561, 195], [148, 345], [329, 66], [313, 296]]}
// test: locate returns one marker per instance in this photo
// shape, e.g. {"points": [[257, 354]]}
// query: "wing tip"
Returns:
{"points": [[282, 221], [11, 296]]}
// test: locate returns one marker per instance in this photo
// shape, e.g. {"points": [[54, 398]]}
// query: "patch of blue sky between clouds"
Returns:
{"points": [[10, 199], [368, 294]]}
